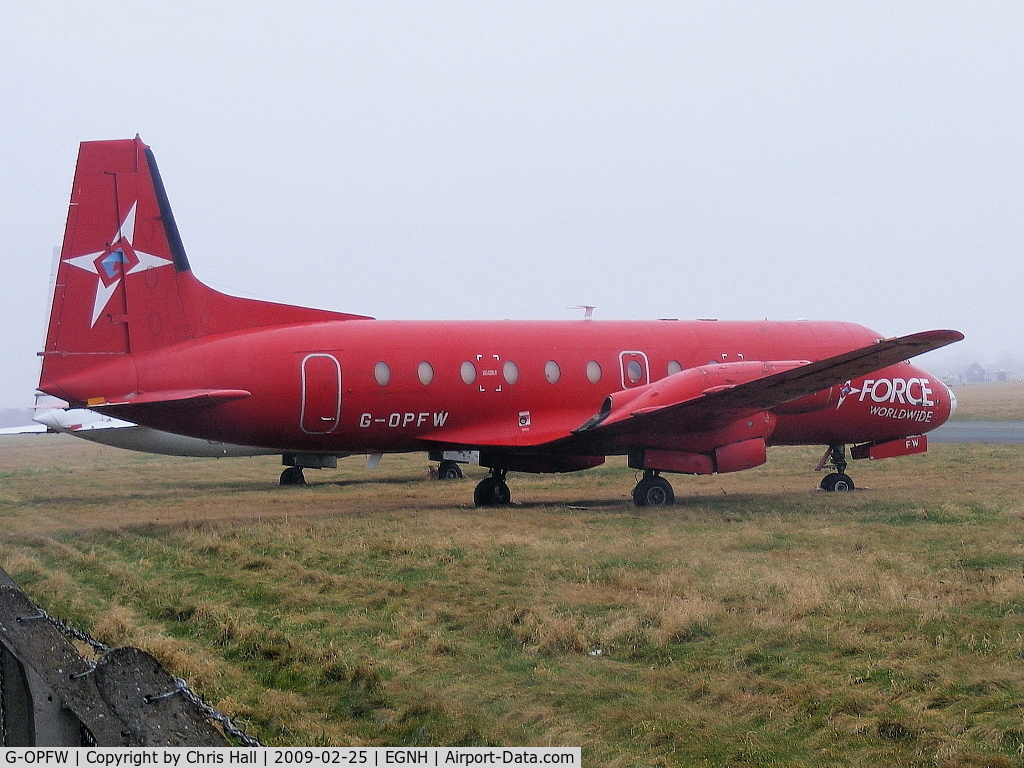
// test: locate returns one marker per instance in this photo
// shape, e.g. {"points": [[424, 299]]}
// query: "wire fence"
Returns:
{"points": [[51, 696]]}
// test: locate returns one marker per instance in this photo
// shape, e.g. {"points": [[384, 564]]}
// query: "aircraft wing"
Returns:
{"points": [[67, 420], [76, 420], [772, 385], [26, 429]]}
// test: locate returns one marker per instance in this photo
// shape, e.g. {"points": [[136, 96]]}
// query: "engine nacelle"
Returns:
{"points": [[733, 457], [739, 456]]}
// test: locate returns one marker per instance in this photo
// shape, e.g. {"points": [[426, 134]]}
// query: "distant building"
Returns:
{"points": [[975, 374]]}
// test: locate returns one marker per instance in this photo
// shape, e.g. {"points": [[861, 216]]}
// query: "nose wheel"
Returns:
{"points": [[653, 490], [493, 491], [837, 480]]}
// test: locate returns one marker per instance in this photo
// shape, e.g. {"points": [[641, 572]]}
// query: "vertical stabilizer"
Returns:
{"points": [[101, 246], [124, 286]]}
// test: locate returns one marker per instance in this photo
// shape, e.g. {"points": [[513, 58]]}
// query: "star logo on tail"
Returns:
{"points": [[118, 260]]}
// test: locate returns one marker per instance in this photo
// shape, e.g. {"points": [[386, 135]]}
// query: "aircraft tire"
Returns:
{"points": [[837, 482], [293, 476], [492, 492], [449, 470], [654, 492]]}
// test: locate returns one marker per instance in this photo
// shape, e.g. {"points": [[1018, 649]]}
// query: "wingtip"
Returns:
{"points": [[942, 336], [939, 338]]}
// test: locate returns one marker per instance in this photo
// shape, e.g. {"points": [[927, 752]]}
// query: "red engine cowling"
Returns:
{"points": [[733, 457], [740, 456]]}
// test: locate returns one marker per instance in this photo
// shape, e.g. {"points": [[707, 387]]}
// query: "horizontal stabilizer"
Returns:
{"points": [[171, 397]]}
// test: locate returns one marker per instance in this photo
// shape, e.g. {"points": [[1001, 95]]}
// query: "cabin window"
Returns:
{"points": [[382, 373], [552, 372], [510, 371], [674, 367], [594, 371], [634, 371], [468, 372], [425, 372]]}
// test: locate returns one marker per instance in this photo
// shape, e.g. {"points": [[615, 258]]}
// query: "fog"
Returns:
{"points": [[477, 160]]}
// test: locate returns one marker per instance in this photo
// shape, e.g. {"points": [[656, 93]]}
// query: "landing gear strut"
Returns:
{"points": [[493, 491], [653, 490], [835, 459]]}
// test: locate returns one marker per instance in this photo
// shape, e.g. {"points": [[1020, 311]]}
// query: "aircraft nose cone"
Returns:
{"points": [[952, 401]]}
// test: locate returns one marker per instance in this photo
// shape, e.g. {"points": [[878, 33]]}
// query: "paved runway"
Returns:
{"points": [[979, 432]]}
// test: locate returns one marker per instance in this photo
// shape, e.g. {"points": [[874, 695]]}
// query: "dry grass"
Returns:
{"points": [[994, 401], [756, 622]]}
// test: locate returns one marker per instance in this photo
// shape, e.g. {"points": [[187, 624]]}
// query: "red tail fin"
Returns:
{"points": [[124, 285]]}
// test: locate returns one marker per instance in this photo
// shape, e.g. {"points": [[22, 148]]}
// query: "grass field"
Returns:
{"points": [[993, 401], [757, 622]]}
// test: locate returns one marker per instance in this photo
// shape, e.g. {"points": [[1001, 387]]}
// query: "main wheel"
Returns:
{"points": [[293, 476], [836, 482], [492, 492], [653, 491], [449, 470]]}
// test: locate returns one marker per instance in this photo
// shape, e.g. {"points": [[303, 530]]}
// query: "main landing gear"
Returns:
{"points": [[653, 490], [294, 463], [835, 459], [449, 470], [449, 463], [493, 491]]}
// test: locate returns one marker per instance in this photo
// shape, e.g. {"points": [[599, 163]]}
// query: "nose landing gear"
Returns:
{"points": [[837, 480]]}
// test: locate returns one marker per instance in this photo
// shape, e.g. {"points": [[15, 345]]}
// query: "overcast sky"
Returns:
{"points": [[855, 161]]}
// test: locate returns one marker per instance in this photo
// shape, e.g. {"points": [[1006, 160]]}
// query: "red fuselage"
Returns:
{"points": [[361, 386]]}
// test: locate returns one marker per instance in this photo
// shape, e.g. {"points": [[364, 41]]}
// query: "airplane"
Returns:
{"points": [[134, 334]]}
